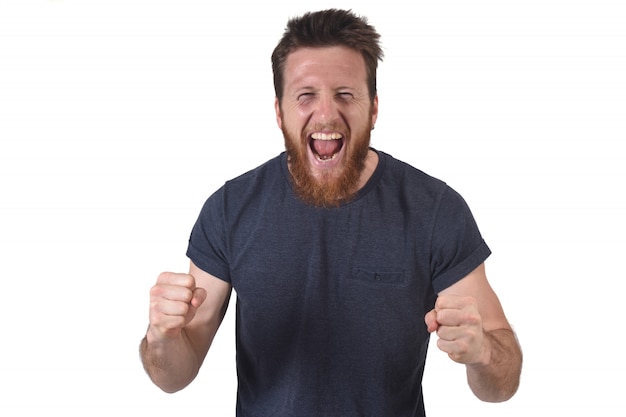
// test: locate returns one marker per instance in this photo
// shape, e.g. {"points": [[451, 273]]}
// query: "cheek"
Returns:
{"points": [[294, 124], [293, 135]]}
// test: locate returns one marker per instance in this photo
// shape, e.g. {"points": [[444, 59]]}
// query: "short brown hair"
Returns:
{"points": [[332, 27]]}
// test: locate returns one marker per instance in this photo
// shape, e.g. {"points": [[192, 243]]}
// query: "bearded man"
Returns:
{"points": [[344, 259]]}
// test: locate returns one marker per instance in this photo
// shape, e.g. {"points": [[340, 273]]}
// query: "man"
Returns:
{"points": [[343, 259]]}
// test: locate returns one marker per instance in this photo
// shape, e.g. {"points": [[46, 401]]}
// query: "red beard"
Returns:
{"points": [[332, 188]]}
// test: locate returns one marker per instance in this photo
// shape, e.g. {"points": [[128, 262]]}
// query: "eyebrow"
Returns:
{"points": [[311, 88]]}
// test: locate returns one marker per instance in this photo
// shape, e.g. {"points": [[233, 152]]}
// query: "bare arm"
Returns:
{"points": [[473, 330], [185, 312]]}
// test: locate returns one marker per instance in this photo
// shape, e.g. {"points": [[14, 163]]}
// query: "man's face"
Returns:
{"points": [[326, 116]]}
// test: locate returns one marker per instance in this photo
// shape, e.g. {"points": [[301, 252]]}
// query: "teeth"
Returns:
{"points": [[325, 158], [326, 136]]}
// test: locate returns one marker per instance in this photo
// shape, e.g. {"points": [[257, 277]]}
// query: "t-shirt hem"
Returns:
{"points": [[463, 269], [210, 268]]}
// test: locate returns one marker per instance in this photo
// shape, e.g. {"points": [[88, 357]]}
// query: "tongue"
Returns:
{"points": [[326, 148]]}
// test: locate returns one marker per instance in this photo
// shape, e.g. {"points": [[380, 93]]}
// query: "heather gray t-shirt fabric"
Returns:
{"points": [[331, 301]]}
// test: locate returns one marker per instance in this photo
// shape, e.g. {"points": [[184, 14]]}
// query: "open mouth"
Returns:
{"points": [[325, 146]]}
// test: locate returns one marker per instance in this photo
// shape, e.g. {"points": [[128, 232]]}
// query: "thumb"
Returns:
{"points": [[198, 297], [431, 321]]}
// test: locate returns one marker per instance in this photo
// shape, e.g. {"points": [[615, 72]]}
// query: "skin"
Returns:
{"points": [[326, 92]]}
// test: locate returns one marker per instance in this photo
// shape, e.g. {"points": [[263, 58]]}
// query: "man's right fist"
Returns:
{"points": [[174, 300]]}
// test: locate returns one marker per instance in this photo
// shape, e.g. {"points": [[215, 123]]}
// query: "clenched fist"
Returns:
{"points": [[174, 300], [458, 324]]}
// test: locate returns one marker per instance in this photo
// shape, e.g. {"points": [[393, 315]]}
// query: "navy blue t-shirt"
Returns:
{"points": [[331, 301]]}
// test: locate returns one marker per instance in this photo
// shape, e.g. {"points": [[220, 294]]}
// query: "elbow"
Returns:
{"points": [[500, 381], [170, 385], [169, 390], [499, 394]]}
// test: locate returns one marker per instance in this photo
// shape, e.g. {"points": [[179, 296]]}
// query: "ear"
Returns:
{"points": [[375, 110], [279, 119]]}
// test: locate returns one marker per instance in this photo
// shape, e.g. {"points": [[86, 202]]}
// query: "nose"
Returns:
{"points": [[326, 110]]}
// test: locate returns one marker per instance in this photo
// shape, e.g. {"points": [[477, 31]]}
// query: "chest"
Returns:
{"points": [[363, 258]]}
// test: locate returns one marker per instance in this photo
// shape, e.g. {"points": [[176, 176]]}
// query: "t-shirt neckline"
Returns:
{"points": [[371, 182]]}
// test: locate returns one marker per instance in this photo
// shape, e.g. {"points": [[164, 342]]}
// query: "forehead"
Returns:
{"points": [[335, 64]]}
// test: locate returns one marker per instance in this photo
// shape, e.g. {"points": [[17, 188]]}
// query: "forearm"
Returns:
{"points": [[497, 379], [172, 363]]}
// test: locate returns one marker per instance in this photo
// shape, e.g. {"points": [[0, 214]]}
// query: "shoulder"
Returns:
{"points": [[253, 183], [410, 181], [415, 191], [270, 170], [403, 171], [253, 196], [241, 190]]}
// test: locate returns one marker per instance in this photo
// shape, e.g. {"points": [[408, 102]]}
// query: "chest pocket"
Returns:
{"points": [[380, 278]]}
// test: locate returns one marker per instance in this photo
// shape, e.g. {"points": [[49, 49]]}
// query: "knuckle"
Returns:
{"points": [[164, 277], [171, 278], [472, 317], [188, 281], [156, 291]]}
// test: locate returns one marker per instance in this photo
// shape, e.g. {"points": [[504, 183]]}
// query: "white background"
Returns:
{"points": [[118, 118]]}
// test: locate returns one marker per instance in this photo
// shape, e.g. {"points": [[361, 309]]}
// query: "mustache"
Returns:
{"points": [[333, 127]]}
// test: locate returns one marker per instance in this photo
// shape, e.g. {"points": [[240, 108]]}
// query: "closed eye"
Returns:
{"points": [[304, 96], [345, 96]]}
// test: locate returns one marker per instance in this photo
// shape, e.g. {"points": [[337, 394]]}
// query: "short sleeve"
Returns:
{"points": [[457, 245], [207, 243]]}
